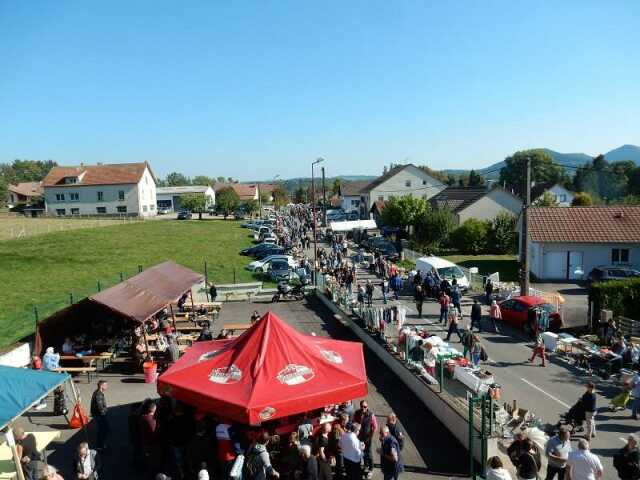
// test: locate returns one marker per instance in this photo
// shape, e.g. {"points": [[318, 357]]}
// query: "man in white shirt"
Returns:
{"points": [[582, 464], [351, 449]]}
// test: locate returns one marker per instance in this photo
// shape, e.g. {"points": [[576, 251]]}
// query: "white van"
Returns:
{"points": [[444, 268]]}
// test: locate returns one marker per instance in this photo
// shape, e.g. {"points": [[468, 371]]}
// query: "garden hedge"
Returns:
{"points": [[621, 296]]}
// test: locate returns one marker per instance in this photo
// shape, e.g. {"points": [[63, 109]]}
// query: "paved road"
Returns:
{"points": [[547, 391]]}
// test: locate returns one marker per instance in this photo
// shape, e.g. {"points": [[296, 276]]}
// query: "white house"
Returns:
{"points": [[563, 196], [350, 195], [400, 181], [477, 202], [115, 189], [567, 243], [169, 197]]}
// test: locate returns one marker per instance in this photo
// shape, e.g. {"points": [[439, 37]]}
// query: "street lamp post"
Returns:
{"points": [[313, 203]]}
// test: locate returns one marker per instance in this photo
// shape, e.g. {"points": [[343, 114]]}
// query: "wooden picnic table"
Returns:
{"points": [[7, 465], [90, 360], [181, 349], [87, 370], [208, 305], [231, 328]]}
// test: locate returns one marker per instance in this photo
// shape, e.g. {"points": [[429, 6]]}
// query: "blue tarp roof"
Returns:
{"points": [[20, 388]]}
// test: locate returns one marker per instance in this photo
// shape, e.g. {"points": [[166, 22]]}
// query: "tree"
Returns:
{"points": [[543, 169], [471, 237], [251, 206], [434, 227], [220, 180], [280, 196], [581, 199], [503, 233], [195, 202], [475, 179], [451, 180], [300, 195], [335, 187], [175, 179], [404, 211], [634, 181], [547, 199], [227, 200], [605, 180], [203, 180]]}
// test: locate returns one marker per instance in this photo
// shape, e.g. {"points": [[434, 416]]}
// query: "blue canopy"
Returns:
{"points": [[20, 388]]}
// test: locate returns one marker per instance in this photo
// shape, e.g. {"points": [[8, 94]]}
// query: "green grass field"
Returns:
{"points": [[507, 265], [44, 270]]}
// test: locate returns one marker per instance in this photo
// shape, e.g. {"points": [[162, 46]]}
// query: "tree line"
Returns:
{"points": [[22, 171], [434, 230]]}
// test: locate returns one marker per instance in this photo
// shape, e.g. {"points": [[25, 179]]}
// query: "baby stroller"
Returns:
{"points": [[574, 418]]}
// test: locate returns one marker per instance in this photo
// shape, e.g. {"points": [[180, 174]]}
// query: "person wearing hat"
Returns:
{"points": [[627, 460], [557, 450]]}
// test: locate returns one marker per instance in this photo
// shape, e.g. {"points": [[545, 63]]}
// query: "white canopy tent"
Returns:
{"points": [[353, 225]]}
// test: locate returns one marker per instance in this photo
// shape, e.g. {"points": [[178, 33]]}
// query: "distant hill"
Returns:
{"points": [[625, 152]]}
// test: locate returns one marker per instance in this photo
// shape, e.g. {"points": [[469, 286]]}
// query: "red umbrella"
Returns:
{"points": [[270, 371]]}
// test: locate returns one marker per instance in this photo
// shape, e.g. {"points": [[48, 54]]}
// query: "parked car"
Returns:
{"points": [[515, 312], [270, 238], [444, 268], [279, 270], [386, 249], [274, 250], [184, 215], [604, 274], [256, 249], [370, 242], [260, 266], [240, 215], [353, 215], [164, 211]]}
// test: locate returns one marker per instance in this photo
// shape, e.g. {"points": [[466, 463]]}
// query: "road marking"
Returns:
{"points": [[547, 394]]}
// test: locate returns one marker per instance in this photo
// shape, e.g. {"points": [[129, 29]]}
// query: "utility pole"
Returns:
{"points": [[324, 201], [315, 223], [259, 200], [524, 252]]}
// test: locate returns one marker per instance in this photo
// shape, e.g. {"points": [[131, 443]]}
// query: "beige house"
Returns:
{"points": [[113, 189], [477, 202]]}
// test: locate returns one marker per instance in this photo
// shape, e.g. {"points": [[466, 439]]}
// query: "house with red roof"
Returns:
{"points": [[105, 189], [567, 243]]}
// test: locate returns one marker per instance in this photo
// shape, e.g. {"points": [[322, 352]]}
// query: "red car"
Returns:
{"points": [[515, 311]]}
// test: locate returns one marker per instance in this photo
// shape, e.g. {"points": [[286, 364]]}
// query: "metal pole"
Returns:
{"points": [[193, 307], [234, 275], [35, 314], [441, 375], [206, 282], [71, 298], [483, 428], [139, 268], [471, 461], [324, 201], [121, 277], [524, 254], [315, 243], [259, 201], [99, 288]]}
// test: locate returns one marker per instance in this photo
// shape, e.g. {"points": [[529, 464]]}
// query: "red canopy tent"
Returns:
{"points": [[270, 371]]}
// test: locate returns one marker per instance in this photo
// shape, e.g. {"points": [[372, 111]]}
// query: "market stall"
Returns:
{"points": [[20, 389], [99, 323], [271, 371]]}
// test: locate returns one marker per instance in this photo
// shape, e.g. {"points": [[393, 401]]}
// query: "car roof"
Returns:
{"points": [[531, 300], [436, 262]]}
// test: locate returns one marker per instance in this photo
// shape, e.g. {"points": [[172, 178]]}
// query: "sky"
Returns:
{"points": [[254, 89]]}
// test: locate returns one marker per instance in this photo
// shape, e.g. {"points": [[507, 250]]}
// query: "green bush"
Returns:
{"points": [[471, 237], [620, 296]]}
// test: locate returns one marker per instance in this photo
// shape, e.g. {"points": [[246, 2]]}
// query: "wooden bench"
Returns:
{"points": [[87, 370], [231, 328], [244, 291], [209, 306]]}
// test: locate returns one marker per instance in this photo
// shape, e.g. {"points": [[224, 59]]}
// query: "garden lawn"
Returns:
{"points": [[45, 271], [507, 265]]}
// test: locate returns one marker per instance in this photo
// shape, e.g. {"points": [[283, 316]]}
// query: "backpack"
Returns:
{"points": [[483, 354], [252, 466]]}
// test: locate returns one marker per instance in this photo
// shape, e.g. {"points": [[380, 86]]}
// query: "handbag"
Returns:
{"points": [[79, 418]]}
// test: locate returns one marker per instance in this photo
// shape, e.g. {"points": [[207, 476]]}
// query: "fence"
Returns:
{"points": [[13, 226]]}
